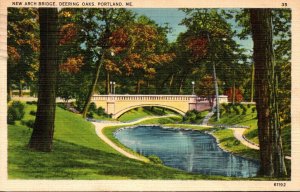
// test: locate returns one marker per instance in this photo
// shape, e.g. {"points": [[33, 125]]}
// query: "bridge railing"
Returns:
{"points": [[146, 98], [190, 98]]}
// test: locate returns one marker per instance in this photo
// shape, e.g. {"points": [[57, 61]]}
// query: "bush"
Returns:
{"points": [[199, 115], [248, 105], [253, 109], [224, 105], [237, 111], [62, 105], [90, 115], [242, 106], [244, 109], [15, 112], [228, 108], [10, 117], [100, 111], [154, 159], [244, 112], [222, 111], [33, 113], [92, 107], [31, 102], [29, 123]]}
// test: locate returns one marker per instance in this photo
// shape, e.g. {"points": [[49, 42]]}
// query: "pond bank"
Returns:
{"points": [[226, 138]]}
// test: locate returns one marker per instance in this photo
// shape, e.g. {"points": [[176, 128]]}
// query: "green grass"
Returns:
{"points": [[163, 120], [141, 112], [228, 142], [102, 117], [109, 133], [189, 126], [249, 119], [194, 117], [79, 154]]}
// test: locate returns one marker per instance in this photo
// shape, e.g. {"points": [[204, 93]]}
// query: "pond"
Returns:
{"points": [[189, 150]]}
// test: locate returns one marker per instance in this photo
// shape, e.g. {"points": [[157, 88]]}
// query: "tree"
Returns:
{"points": [[139, 51], [22, 48], [205, 88], [42, 135], [212, 38], [106, 20], [266, 84]]}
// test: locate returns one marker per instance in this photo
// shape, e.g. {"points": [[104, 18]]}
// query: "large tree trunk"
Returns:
{"points": [[171, 84], [271, 153], [107, 83], [9, 92], [217, 92], [252, 83], [138, 87], [20, 89], [42, 135], [93, 86], [234, 90]]}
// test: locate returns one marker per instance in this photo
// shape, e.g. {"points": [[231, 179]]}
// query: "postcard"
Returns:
{"points": [[144, 95]]}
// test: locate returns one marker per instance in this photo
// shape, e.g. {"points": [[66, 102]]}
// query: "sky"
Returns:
{"points": [[173, 17]]}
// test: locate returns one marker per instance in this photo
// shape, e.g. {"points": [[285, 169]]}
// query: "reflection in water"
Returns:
{"points": [[192, 151]]}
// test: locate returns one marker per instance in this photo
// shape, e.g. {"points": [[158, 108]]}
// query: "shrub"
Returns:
{"points": [[228, 108], [237, 111], [15, 112], [31, 102], [222, 112], [224, 105], [92, 107], [244, 109], [242, 106], [100, 111], [29, 123], [32, 112], [253, 109], [248, 105], [90, 115], [62, 105], [10, 116], [244, 112], [154, 159], [199, 115]]}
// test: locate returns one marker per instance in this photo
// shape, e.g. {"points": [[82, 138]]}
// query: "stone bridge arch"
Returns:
{"points": [[119, 104]]}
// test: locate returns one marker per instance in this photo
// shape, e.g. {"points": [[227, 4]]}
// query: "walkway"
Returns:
{"points": [[207, 117], [100, 125], [238, 134]]}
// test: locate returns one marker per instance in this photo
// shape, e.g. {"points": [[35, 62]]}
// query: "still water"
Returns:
{"points": [[188, 150]]}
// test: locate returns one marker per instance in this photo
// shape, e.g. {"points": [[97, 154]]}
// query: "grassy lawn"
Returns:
{"points": [[141, 112], [78, 154], [249, 119], [228, 142]]}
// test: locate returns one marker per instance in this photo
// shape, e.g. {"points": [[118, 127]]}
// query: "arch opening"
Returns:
{"points": [[123, 111]]}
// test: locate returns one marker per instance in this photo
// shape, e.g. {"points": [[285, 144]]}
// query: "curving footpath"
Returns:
{"points": [[100, 125], [238, 134]]}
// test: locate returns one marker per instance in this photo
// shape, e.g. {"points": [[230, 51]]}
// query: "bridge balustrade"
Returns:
{"points": [[145, 97]]}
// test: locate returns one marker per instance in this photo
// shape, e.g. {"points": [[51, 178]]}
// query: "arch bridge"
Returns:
{"points": [[119, 104]]}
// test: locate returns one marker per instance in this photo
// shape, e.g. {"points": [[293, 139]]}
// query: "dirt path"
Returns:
{"points": [[238, 134], [100, 125]]}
